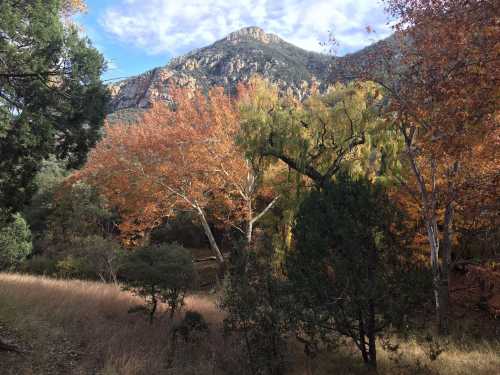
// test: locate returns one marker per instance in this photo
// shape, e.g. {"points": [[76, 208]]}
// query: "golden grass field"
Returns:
{"points": [[79, 327]]}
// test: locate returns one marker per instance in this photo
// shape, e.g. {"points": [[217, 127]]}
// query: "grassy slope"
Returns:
{"points": [[74, 327]]}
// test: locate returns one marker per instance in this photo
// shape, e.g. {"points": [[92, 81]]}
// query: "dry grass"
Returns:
{"points": [[94, 318], [77, 327], [413, 359]]}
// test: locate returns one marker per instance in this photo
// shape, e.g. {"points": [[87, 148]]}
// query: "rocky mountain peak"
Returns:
{"points": [[236, 58], [252, 32]]}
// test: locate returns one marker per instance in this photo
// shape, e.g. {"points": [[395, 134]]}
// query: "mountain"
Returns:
{"points": [[231, 60]]}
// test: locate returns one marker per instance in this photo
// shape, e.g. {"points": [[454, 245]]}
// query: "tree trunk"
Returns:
{"points": [[428, 201], [210, 236], [444, 286], [249, 223], [362, 341], [372, 340], [172, 312], [370, 324], [433, 237], [248, 235]]}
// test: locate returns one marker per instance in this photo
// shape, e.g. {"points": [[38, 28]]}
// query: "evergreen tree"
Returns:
{"points": [[348, 271], [52, 100], [15, 242]]}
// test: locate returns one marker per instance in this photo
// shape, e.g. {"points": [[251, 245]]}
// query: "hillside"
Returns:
{"points": [[80, 327], [231, 60]]}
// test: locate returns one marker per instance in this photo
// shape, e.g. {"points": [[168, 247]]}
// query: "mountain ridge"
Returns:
{"points": [[226, 62]]}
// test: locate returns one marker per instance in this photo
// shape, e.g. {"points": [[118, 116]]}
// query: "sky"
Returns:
{"points": [[138, 35]]}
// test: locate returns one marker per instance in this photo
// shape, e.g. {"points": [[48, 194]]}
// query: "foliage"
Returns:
{"points": [[159, 273], [170, 160], [177, 159], [47, 182], [192, 323], [71, 267], [347, 263], [184, 228], [72, 226], [254, 300], [51, 98], [321, 135], [39, 265], [79, 211], [64, 213], [104, 256], [445, 103], [90, 258], [15, 242]]}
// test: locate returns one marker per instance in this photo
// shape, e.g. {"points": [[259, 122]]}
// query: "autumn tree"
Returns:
{"points": [[177, 158], [440, 74], [444, 97], [304, 144], [318, 137]]}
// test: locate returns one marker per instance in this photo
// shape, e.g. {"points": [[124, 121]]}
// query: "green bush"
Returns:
{"points": [[255, 301], [39, 265], [72, 267], [91, 257], [15, 242], [159, 273], [102, 256]]}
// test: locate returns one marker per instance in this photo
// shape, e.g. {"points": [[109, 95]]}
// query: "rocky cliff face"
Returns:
{"points": [[227, 62]]}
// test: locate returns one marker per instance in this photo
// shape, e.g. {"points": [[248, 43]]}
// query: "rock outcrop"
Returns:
{"points": [[233, 59], [228, 61]]}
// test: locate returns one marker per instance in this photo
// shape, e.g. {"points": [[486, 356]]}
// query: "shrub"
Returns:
{"points": [[72, 267], [103, 256], [254, 300], [39, 265], [15, 242], [159, 273]]}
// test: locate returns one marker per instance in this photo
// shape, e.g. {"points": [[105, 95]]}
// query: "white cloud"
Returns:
{"points": [[175, 27]]}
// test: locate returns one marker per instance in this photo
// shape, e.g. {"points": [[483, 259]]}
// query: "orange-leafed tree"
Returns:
{"points": [[444, 90], [177, 158]]}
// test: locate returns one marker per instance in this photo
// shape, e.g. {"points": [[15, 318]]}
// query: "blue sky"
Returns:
{"points": [[138, 35]]}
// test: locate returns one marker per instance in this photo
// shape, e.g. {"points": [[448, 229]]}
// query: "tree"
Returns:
{"points": [[161, 273], [317, 137], [15, 243], [72, 226], [302, 143], [52, 100], [255, 301], [78, 211], [346, 264], [444, 96], [180, 158], [41, 206]]}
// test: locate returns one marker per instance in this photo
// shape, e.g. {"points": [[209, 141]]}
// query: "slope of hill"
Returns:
{"points": [[228, 61], [71, 327]]}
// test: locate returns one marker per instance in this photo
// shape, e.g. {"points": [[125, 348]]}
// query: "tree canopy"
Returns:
{"points": [[52, 100]]}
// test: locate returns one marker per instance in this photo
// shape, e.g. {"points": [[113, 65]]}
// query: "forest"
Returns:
{"points": [[354, 231]]}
